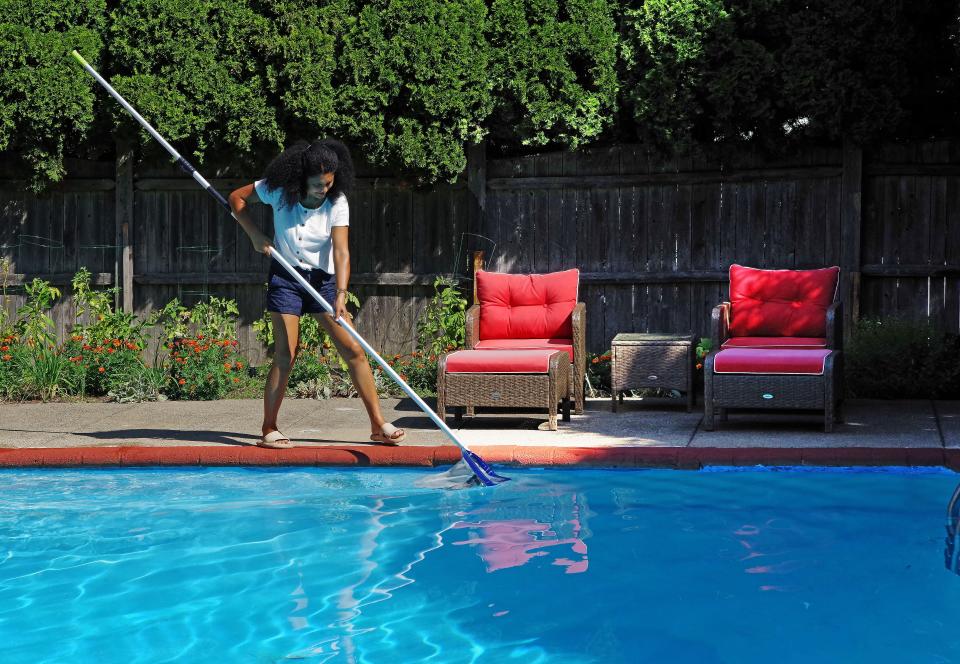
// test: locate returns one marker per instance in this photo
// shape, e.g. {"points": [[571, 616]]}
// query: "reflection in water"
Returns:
{"points": [[514, 542], [399, 534], [952, 550]]}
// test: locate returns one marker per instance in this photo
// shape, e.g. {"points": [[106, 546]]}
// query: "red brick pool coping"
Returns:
{"points": [[592, 457]]}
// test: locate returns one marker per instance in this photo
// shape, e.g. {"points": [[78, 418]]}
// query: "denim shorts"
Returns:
{"points": [[286, 296]]}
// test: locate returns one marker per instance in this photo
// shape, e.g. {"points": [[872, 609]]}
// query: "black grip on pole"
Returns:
{"points": [[220, 199]]}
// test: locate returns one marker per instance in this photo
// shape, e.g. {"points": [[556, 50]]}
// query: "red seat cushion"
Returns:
{"points": [[775, 342], [781, 303], [499, 361], [527, 306], [770, 361], [527, 344]]}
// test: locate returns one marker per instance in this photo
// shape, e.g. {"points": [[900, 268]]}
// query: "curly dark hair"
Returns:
{"points": [[291, 168]]}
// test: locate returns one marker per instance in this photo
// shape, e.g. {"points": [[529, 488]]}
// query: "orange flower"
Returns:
{"points": [[239, 365], [77, 337], [101, 369], [236, 380], [182, 381], [7, 357], [111, 350], [595, 360], [87, 347], [4, 347], [131, 346], [116, 343]]}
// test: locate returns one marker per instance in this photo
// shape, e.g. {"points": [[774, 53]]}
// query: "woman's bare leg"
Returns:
{"points": [[286, 336], [356, 359]]}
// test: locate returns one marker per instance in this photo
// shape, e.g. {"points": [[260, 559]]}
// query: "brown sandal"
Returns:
{"points": [[275, 440]]}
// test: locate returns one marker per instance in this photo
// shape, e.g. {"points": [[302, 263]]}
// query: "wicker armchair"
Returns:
{"points": [[776, 344], [513, 322]]}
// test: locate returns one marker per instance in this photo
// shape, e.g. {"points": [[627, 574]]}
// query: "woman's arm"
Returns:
{"points": [[341, 267], [240, 199]]}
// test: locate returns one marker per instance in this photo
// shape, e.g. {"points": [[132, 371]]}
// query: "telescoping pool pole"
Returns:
{"points": [[480, 468]]}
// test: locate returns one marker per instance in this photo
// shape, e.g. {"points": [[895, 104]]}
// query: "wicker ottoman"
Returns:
{"points": [[772, 378], [651, 360], [507, 378]]}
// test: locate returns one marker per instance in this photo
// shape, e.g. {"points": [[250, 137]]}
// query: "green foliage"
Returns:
{"points": [[202, 368], [418, 370], [310, 377], [721, 71], [105, 323], [103, 363], [442, 325], [415, 85], [12, 358], [898, 359], [47, 373], [216, 318], [173, 319], [704, 346], [135, 383], [34, 324], [598, 374], [196, 69], [554, 69], [5, 273], [46, 105]]}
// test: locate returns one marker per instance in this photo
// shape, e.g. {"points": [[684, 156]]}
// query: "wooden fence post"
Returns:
{"points": [[123, 268], [477, 202], [477, 185], [851, 222]]}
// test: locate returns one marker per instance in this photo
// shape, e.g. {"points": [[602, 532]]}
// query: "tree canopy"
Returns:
{"points": [[412, 83]]}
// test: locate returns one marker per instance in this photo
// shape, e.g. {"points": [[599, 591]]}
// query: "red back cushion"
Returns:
{"points": [[781, 303], [527, 306]]}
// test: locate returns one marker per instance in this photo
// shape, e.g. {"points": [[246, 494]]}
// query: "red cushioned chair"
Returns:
{"points": [[531, 311], [776, 344]]}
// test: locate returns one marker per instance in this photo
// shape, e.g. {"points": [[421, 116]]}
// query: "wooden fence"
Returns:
{"points": [[653, 239]]}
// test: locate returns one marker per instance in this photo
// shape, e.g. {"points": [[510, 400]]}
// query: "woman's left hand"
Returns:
{"points": [[340, 307]]}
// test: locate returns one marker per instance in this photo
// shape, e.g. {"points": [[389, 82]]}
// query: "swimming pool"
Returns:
{"points": [[253, 565]]}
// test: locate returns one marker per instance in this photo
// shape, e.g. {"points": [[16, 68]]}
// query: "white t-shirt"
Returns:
{"points": [[302, 235]]}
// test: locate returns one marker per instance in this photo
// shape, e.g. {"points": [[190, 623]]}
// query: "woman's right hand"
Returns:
{"points": [[261, 243]]}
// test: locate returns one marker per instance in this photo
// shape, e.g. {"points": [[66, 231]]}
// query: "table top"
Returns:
{"points": [[651, 339]]}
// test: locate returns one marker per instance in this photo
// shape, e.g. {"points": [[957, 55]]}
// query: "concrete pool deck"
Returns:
{"points": [[644, 433]]}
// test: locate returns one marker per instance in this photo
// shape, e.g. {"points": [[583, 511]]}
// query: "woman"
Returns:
{"points": [[306, 185]]}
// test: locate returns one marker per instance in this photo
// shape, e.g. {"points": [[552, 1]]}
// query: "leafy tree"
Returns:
{"points": [[46, 106], [554, 68], [195, 68], [414, 83]]}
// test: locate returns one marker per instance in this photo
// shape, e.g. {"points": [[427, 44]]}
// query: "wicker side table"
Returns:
{"points": [[652, 360]]}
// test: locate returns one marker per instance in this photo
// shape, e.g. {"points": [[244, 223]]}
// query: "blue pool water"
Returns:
{"points": [[243, 565]]}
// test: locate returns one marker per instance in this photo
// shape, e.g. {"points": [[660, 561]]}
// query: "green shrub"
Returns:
{"points": [[104, 322], [760, 71], [46, 105], [197, 70], [554, 70], [442, 325], [202, 368], [310, 377], [12, 354], [103, 363], [898, 359], [414, 86]]}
